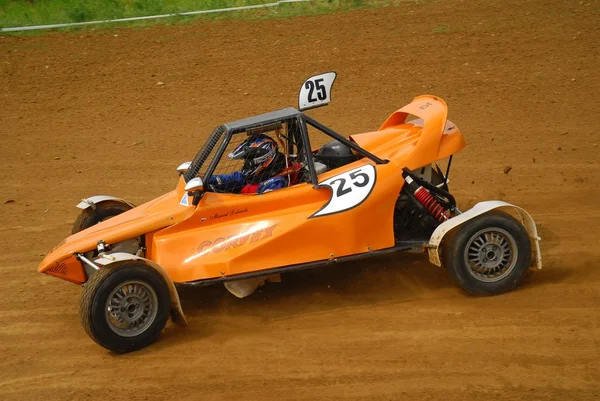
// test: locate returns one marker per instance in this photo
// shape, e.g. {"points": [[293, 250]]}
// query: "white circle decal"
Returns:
{"points": [[348, 189]]}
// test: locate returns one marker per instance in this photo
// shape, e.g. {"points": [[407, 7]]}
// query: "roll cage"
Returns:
{"points": [[298, 136]]}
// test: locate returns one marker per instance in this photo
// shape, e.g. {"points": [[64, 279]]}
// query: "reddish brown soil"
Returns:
{"points": [[82, 114]]}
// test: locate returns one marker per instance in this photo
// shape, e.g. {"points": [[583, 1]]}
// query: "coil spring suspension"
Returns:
{"points": [[431, 204]]}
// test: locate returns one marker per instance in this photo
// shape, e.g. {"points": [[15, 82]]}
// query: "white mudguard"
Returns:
{"points": [[93, 200], [176, 310], [480, 208]]}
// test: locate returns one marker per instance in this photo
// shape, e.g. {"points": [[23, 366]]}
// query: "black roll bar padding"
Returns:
{"points": [[204, 152], [217, 156]]}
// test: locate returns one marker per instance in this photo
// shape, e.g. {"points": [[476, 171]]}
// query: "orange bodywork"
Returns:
{"points": [[416, 143], [230, 234]]}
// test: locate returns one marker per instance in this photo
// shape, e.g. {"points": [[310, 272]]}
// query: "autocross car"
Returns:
{"points": [[343, 198]]}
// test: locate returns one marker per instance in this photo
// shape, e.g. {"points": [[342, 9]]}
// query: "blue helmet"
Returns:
{"points": [[259, 153]]}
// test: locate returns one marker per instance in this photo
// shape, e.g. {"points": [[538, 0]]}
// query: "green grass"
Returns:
{"points": [[42, 12]]}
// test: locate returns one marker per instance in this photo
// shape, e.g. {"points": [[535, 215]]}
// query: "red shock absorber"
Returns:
{"points": [[428, 201], [431, 204]]}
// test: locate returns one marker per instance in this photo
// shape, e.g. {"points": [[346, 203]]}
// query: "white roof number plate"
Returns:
{"points": [[316, 91]]}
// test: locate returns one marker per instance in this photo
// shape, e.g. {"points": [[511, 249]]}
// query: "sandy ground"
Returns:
{"points": [[82, 114]]}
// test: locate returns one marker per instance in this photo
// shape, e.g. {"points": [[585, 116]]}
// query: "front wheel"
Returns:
{"points": [[489, 254], [124, 308], [102, 211]]}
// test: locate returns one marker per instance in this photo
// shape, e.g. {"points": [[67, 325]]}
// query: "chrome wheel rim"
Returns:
{"points": [[131, 308], [491, 254]]}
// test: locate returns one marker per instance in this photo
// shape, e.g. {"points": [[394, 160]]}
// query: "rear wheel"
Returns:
{"points": [[103, 211], [489, 254], [124, 308]]}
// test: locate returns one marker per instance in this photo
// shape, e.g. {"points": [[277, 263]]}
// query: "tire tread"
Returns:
{"points": [[452, 256], [87, 306]]}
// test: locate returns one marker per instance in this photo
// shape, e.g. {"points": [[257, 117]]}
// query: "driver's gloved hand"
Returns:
{"points": [[232, 183]]}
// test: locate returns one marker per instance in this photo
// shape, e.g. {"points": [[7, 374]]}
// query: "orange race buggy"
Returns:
{"points": [[356, 197]]}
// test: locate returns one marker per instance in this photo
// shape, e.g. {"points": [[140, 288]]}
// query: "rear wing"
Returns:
{"points": [[418, 141], [424, 106], [433, 111]]}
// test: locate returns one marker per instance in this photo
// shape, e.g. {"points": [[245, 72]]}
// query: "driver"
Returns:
{"points": [[263, 164]]}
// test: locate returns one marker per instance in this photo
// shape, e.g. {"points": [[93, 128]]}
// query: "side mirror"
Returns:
{"points": [[195, 184], [183, 167]]}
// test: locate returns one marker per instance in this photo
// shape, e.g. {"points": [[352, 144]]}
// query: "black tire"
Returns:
{"points": [[102, 326], [104, 210], [488, 255]]}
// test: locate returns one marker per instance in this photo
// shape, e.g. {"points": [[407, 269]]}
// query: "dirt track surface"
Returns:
{"points": [[82, 114]]}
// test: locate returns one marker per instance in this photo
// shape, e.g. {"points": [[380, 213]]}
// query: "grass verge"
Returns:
{"points": [[43, 12]]}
